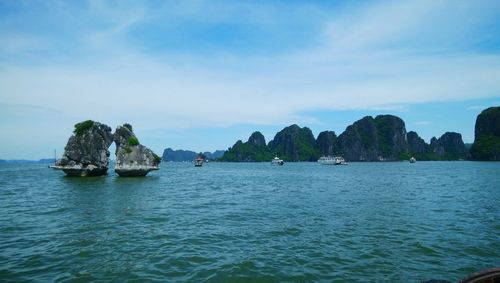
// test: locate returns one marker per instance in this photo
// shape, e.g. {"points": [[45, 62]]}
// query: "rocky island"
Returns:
{"points": [[132, 158], [383, 138], [87, 151]]}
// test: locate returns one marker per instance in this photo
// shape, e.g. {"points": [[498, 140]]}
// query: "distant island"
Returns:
{"points": [[383, 138], [187, 155], [42, 161]]}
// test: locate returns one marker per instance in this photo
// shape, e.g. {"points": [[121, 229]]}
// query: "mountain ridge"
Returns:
{"points": [[383, 138]]}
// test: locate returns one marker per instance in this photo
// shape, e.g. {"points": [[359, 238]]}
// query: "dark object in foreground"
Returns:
{"points": [[484, 276]]}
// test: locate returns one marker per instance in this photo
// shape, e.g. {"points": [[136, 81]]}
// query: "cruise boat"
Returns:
{"points": [[198, 162], [332, 160], [277, 161]]}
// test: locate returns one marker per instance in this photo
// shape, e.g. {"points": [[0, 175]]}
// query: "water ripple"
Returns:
{"points": [[252, 222]]}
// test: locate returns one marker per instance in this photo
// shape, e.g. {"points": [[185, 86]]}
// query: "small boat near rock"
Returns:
{"points": [[277, 161]]}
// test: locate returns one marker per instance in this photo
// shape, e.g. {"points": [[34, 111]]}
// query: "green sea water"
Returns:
{"points": [[239, 222]]}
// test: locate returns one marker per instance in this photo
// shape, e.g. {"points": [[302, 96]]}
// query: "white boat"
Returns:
{"points": [[413, 160], [332, 160], [198, 162], [277, 161]]}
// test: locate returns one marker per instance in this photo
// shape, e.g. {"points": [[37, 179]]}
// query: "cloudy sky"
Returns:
{"points": [[200, 74]]}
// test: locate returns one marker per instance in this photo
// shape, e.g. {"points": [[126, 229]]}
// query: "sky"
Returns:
{"points": [[199, 75]]}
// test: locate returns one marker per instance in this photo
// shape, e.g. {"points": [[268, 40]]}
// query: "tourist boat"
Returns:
{"points": [[332, 160], [413, 160], [277, 161], [198, 162]]}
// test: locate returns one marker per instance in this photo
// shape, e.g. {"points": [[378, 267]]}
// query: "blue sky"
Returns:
{"points": [[200, 74]]}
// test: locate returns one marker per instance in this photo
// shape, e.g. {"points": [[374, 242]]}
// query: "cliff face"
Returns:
{"points": [[392, 141], [257, 139], [488, 123], [487, 135], [379, 139], [359, 142], [86, 153], [449, 146], [326, 143], [132, 158], [416, 145], [294, 144]]}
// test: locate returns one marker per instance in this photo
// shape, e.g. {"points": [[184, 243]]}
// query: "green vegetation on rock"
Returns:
{"points": [[294, 143], [384, 132], [132, 141], [247, 152], [486, 148], [157, 159], [82, 127]]}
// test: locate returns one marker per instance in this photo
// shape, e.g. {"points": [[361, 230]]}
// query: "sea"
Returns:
{"points": [[252, 222]]}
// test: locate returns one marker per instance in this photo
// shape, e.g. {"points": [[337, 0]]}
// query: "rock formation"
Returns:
{"points": [[132, 158], [326, 143], [178, 155], [359, 142], [257, 139], [188, 155], [294, 143], [369, 139], [449, 146], [392, 141], [254, 150], [416, 145], [383, 138], [487, 135], [86, 153]]}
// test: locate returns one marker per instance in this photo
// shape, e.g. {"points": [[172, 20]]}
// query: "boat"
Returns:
{"points": [[413, 160], [326, 160], [277, 161], [332, 160], [198, 162]]}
